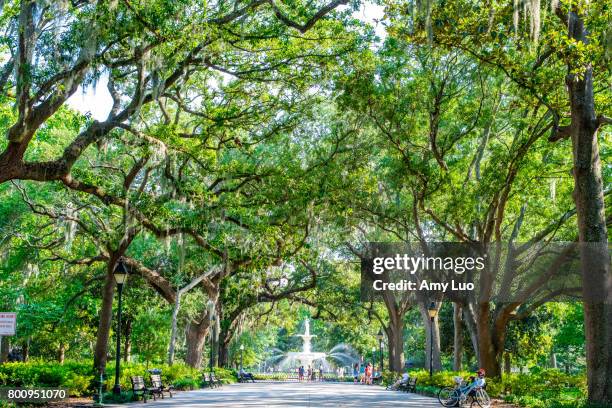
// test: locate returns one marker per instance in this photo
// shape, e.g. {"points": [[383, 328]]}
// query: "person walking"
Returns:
{"points": [[368, 374], [355, 373]]}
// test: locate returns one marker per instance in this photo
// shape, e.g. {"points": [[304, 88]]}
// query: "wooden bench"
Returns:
{"points": [[206, 381], [411, 386], [158, 387], [209, 380], [215, 380], [139, 389], [408, 386]]}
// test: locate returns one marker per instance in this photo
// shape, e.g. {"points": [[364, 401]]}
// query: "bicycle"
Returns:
{"points": [[458, 396]]}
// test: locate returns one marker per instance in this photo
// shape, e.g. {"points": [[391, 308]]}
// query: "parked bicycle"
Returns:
{"points": [[463, 393]]}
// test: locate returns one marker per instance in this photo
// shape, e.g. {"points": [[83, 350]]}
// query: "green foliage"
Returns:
{"points": [[537, 389], [228, 376], [125, 397], [266, 156], [73, 375], [187, 383], [151, 334], [78, 377], [389, 377]]}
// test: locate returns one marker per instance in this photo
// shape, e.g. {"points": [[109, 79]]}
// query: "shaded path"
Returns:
{"points": [[267, 394]]}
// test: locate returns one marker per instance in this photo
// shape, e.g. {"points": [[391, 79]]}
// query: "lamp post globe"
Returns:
{"points": [[433, 312], [120, 274]]}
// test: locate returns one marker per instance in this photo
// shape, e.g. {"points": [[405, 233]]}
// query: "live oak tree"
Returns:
{"points": [[557, 59], [451, 167], [143, 49], [151, 59]]}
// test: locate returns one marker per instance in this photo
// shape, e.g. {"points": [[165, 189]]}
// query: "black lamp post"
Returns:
{"points": [[433, 312], [120, 274], [380, 345], [241, 351]]}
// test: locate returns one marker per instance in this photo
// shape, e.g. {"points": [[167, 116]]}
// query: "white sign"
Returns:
{"points": [[8, 322]]}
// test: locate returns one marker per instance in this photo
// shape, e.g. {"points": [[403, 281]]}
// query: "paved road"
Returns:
{"points": [[294, 395]]}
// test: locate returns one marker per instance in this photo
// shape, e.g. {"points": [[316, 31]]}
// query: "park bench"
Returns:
{"points": [[139, 389], [209, 380], [215, 380], [245, 377], [411, 386], [408, 386], [158, 387], [377, 379], [206, 382]]}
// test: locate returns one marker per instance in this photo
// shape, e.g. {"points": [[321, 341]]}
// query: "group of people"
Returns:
{"points": [[365, 374], [310, 374]]}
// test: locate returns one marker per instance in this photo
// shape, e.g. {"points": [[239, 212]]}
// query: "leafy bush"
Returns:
{"points": [[428, 390], [79, 379], [226, 375], [538, 389], [125, 396], [170, 374], [74, 376], [78, 385], [273, 376], [389, 377], [187, 383]]}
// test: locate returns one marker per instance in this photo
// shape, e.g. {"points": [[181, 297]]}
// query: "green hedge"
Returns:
{"points": [[75, 376], [79, 379]]}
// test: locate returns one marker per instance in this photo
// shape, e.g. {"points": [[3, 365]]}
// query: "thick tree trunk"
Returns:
{"points": [[196, 337], [590, 207], [489, 359], [223, 354], [597, 283], [225, 337], [106, 315], [489, 355], [457, 338], [395, 335], [197, 332]]}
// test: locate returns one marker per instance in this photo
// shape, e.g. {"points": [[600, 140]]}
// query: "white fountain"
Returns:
{"points": [[306, 356], [341, 355]]}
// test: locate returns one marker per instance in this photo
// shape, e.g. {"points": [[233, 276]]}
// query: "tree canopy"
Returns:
{"points": [[251, 151]]}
